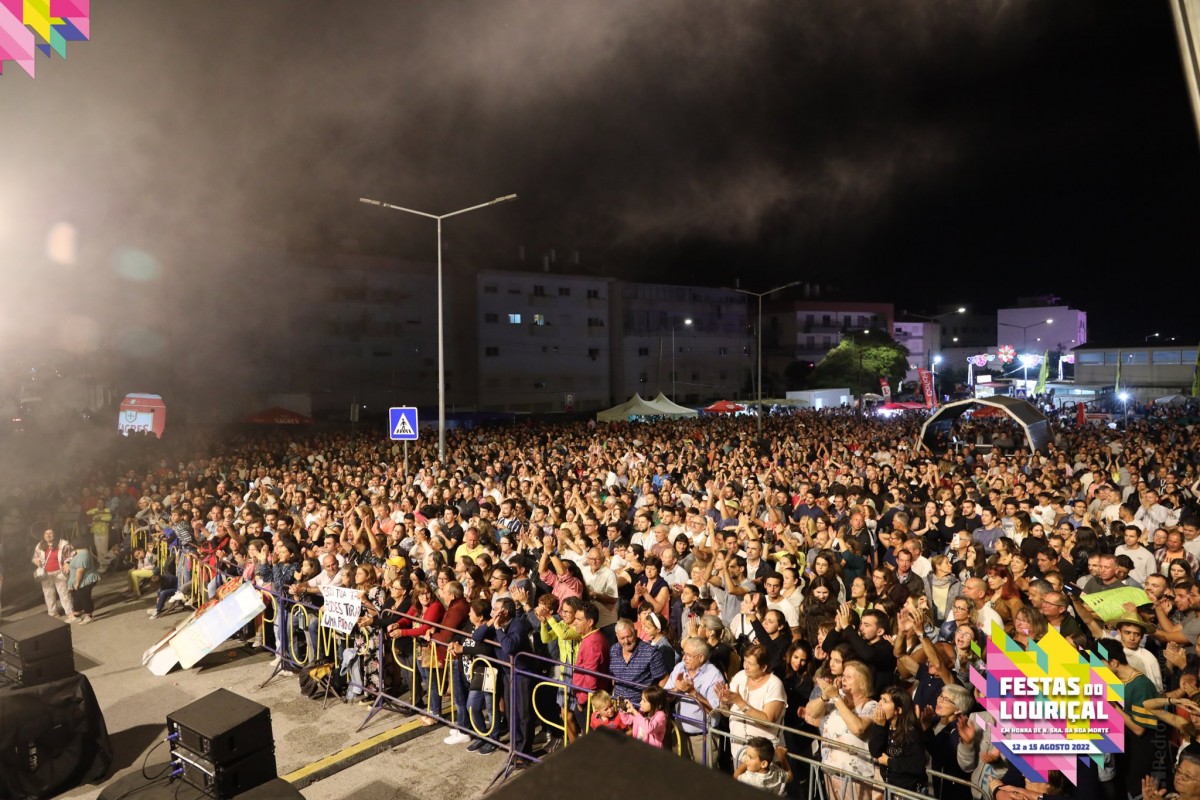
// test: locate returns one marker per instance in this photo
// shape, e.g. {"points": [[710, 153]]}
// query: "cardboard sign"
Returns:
{"points": [[343, 607]]}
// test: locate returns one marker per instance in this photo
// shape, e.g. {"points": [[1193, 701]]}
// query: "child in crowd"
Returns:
{"points": [[605, 713], [759, 768], [648, 721]]}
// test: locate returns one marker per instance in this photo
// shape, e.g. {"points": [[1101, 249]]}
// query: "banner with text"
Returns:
{"points": [[343, 607], [926, 386]]}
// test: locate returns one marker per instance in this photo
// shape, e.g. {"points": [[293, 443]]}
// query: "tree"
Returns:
{"points": [[859, 361]]}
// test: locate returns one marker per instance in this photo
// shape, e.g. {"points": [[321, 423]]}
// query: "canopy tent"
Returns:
{"points": [[276, 415], [1024, 413], [636, 406], [669, 408], [725, 407], [786, 402], [1171, 400]]}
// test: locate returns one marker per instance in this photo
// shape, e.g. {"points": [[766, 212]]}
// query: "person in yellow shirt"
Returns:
{"points": [[470, 547]]}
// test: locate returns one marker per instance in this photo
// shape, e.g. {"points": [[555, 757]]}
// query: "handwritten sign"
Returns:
{"points": [[1109, 605], [343, 607]]}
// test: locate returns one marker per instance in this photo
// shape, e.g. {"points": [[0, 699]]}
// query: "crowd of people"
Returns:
{"points": [[820, 592]]}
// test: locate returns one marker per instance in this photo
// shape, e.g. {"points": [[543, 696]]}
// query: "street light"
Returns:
{"points": [[758, 337], [936, 360], [1124, 398], [1025, 344], [441, 324], [687, 322]]}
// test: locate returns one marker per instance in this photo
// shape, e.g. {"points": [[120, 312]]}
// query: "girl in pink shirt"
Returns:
{"points": [[648, 722]]}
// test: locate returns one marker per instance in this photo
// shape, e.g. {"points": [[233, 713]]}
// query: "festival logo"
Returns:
{"points": [[29, 27], [1051, 705]]}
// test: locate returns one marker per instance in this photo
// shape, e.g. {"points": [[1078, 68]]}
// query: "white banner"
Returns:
{"points": [[343, 607]]}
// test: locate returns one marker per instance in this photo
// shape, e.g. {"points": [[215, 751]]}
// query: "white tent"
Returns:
{"points": [[669, 408], [636, 406], [1171, 400]]}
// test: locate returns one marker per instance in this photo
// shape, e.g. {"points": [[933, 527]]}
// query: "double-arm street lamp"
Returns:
{"points": [[440, 317], [758, 338]]}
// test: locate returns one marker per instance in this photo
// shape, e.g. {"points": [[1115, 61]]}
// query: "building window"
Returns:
{"points": [[1089, 358], [491, 318], [722, 351], [593, 353], [643, 351], [1137, 359], [564, 291], [595, 322], [539, 319], [643, 377], [491, 352], [490, 289], [1166, 357], [593, 294], [514, 319], [539, 291]]}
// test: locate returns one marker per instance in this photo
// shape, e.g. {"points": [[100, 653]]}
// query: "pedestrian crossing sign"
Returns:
{"points": [[402, 423]]}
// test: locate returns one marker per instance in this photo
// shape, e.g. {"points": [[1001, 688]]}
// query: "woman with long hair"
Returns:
{"points": [[897, 741], [1002, 593], [862, 594], [1178, 570], [798, 685], [819, 606]]}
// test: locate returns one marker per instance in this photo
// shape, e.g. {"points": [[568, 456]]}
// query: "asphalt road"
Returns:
{"points": [[136, 703]]}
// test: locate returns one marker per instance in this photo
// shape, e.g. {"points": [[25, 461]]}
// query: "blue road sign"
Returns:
{"points": [[402, 423]]}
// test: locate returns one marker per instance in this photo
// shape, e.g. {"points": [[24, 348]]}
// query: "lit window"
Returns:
{"points": [[514, 319]]}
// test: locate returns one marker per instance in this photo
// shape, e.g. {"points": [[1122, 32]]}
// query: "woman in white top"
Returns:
{"points": [[843, 713], [755, 700]]}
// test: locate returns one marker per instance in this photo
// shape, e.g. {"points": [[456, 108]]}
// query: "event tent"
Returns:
{"points": [[725, 407], [636, 406], [672, 409], [1171, 400]]}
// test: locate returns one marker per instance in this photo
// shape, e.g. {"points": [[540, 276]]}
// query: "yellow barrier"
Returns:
{"points": [[274, 606], [440, 679], [292, 636], [492, 716], [326, 637], [202, 575]]}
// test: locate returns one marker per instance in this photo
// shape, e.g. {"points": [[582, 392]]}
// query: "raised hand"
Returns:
{"points": [[966, 729]]}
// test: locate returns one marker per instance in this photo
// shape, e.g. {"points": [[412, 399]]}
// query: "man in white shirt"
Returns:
{"points": [[1144, 564], [977, 591], [921, 565], [1151, 515], [773, 585], [602, 588]]}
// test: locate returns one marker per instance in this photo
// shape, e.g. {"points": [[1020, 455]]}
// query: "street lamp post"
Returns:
{"points": [[688, 322], [440, 317], [934, 362], [758, 338], [1025, 345]]}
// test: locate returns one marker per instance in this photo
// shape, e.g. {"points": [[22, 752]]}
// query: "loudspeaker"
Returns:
{"points": [[222, 743], [221, 726], [35, 650], [32, 671], [38, 636], [230, 779]]}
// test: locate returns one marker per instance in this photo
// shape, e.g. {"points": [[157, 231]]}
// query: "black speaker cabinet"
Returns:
{"points": [[38, 636], [35, 650], [221, 727], [227, 779], [33, 671]]}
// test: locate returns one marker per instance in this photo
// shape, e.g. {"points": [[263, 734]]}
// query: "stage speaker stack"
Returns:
{"points": [[36, 650], [222, 744]]}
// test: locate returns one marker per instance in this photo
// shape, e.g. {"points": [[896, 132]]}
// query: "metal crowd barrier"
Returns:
{"points": [[329, 644]]}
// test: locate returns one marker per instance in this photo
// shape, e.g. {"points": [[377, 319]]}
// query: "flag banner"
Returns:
{"points": [[926, 386]]}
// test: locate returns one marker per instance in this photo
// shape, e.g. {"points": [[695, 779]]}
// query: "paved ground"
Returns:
{"points": [[136, 703]]}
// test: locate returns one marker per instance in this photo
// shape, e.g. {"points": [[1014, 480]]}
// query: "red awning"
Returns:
{"points": [[277, 416], [725, 407], [907, 406]]}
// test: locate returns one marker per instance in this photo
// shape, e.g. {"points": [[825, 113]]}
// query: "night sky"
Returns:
{"points": [[914, 151]]}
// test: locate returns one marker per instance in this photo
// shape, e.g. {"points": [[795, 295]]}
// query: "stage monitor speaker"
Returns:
{"points": [[33, 671], [221, 726], [35, 637], [226, 779]]}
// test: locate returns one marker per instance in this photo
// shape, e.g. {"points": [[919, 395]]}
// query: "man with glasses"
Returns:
{"points": [[601, 584], [498, 581], [698, 680], [1054, 609]]}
